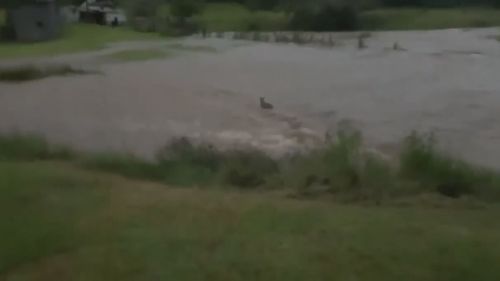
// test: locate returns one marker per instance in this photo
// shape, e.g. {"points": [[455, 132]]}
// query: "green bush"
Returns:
{"points": [[342, 169], [124, 165], [28, 73], [29, 148], [248, 168], [182, 150], [204, 164], [421, 161], [328, 17]]}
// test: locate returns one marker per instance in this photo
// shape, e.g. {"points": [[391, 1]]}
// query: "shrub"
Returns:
{"points": [[142, 14], [337, 169], [248, 168], [184, 9], [326, 18], [421, 161], [182, 150], [124, 165], [29, 148], [28, 73], [142, 8], [181, 21], [342, 169], [186, 163]]}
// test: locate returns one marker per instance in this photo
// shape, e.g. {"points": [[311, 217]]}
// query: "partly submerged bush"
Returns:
{"points": [[183, 150], [248, 168], [29, 72], [29, 148], [342, 169], [240, 168], [328, 17], [124, 165], [421, 161]]}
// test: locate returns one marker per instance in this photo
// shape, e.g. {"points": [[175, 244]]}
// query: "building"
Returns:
{"points": [[36, 20], [102, 12]]}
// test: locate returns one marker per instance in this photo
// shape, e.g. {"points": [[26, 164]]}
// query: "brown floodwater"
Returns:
{"points": [[446, 82]]}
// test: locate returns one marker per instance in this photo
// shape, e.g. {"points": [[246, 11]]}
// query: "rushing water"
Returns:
{"points": [[445, 81]]}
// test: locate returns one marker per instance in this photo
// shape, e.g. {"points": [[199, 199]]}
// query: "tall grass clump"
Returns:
{"points": [[248, 168], [29, 148], [185, 163], [435, 171], [343, 169], [124, 165]]}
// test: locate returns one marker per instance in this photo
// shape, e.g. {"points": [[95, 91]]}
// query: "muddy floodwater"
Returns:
{"points": [[446, 82]]}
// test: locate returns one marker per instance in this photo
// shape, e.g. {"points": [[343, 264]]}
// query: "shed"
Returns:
{"points": [[36, 21]]}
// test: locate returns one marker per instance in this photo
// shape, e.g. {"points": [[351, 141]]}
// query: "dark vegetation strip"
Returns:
{"points": [[341, 170], [180, 17], [29, 72]]}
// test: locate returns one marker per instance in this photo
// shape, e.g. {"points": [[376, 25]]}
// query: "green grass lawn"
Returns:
{"points": [[404, 19], [62, 223], [77, 38]]}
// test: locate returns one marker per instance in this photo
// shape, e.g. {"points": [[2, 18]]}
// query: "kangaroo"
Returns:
{"points": [[265, 105]]}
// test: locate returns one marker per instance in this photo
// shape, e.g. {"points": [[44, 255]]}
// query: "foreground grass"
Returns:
{"points": [[75, 225], [77, 38], [408, 19]]}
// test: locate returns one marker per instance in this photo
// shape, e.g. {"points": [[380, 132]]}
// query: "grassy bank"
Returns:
{"points": [[64, 223], [410, 19], [77, 38], [29, 73], [340, 171], [234, 17]]}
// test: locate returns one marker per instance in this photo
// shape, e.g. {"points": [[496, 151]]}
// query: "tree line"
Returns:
{"points": [[314, 15]]}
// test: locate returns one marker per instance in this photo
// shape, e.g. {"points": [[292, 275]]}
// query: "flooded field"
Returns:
{"points": [[446, 82]]}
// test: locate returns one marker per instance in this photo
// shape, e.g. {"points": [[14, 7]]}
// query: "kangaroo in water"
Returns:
{"points": [[264, 104]]}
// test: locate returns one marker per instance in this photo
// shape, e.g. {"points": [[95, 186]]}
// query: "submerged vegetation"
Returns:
{"points": [[342, 170], [30, 72]]}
